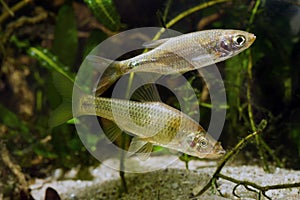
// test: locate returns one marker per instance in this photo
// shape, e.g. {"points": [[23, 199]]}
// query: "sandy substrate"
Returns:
{"points": [[172, 182]]}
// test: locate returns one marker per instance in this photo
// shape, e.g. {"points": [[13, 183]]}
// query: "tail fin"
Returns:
{"points": [[110, 70], [63, 112]]}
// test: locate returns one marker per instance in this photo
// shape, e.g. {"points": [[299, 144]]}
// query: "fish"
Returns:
{"points": [[151, 123], [176, 54], [149, 120]]}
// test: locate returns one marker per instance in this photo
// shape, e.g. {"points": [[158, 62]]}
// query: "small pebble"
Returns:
{"points": [[175, 185]]}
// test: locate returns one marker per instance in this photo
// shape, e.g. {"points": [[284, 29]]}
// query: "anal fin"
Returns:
{"points": [[155, 43], [111, 129], [141, 148]]}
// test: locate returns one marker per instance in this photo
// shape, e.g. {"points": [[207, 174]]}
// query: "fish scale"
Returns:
{"points": [[156, 115]]}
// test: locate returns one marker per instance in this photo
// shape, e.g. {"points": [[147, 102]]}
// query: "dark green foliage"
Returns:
{"points": [[105, 12], [11, 120], [65, 41], [295, 127]]}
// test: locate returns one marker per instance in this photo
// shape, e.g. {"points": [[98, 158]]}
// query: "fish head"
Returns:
{"points": [[232, 42], [202, 145]]}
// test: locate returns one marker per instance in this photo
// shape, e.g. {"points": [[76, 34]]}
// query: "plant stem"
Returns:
{"points": [[186, 13], [254, 11], [263, 189], [7, 9], [123, 142], [122, 165], [14, 9]]}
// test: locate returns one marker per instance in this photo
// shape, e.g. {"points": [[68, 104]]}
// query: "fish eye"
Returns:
{"points": [[203, 142], [239, 40]]}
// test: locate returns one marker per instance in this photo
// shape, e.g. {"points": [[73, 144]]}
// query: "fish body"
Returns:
{"points": [[177, 54], [153, 123]]}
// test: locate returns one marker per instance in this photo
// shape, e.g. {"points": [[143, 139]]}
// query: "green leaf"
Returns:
{"points": [[105, 12], [50, 61], [65, 42], [11, 120]]}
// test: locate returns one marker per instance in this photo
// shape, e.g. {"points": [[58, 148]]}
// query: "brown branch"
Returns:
{"points": [[229, 155], [14, 9], [209, 19], [23, 186], [263, 189], [41, 14]]}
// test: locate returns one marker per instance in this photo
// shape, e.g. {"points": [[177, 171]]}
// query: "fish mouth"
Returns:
{"points": [[216, 152], [252, 39], [216, 155]]}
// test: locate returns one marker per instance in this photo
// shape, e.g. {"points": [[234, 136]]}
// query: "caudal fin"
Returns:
{"points": [[63, 112], [110, 71]]}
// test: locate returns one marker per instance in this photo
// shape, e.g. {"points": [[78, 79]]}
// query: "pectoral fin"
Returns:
{"points": [[202, 57], [142, 149], [155, 43]]}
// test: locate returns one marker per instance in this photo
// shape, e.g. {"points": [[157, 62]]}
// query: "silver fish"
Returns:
{"points": [[152, 123], [177, 54]]}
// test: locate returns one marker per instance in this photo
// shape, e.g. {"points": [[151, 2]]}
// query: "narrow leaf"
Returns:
{"points": [[65, 42], [105, 12]]}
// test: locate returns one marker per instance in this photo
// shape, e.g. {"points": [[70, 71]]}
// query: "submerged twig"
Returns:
{"points": [[6, 8], [40, 15], [261, 145], [16, 170], [258, 139], [209, 19], [9, 12], [122, 165], [230, 154], [123, 143], [262, 189]]}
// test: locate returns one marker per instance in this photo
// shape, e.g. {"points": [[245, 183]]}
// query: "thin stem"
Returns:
{"points": [[122, 165], [263, 189], [254, 11], [166, 11], [14, 9], [258, 139], [261, 145], [249, 87], [123, 142], [7, 9], [186, 13], [192, 10]]}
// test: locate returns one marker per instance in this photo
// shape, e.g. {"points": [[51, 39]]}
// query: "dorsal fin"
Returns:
{"points": [[146, 93], [155, 43]]}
